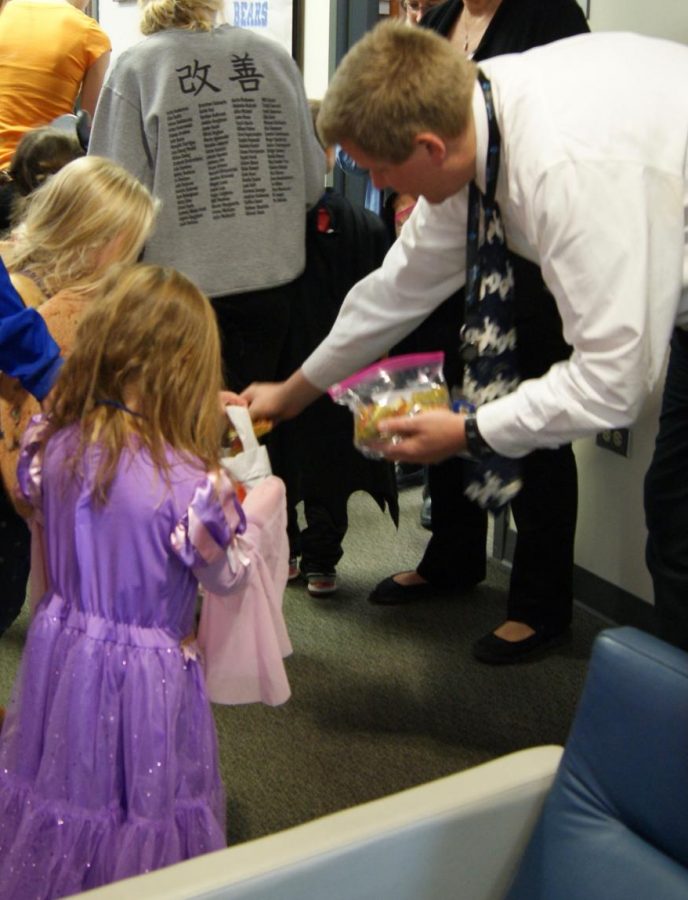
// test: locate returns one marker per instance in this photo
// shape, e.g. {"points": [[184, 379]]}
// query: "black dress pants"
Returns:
{"points": [[545, 510], [541, 590], [254, 328], [666, 501]]}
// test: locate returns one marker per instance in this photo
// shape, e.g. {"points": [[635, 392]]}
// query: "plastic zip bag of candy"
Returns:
{"points": [[395, 386]]}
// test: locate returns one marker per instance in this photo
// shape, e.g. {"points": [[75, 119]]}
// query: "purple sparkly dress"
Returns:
{"points": [[108, 756]]}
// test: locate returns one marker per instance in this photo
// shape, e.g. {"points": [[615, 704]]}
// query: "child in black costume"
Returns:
{"points": [[343, 244]]}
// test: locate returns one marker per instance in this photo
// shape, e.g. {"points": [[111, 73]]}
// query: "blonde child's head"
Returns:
{"points": [[88, 215], [146, 369], [191, 15]]}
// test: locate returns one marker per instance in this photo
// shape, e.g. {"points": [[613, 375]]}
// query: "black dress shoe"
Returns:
{"points": [[390, 593], [496, 651]]}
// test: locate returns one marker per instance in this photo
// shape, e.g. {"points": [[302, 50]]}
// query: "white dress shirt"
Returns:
{"points": [[593, 186]]}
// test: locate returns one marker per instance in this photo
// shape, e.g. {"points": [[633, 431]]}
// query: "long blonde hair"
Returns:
{"points": [[191, 15], [152, 336], [71, 219]]}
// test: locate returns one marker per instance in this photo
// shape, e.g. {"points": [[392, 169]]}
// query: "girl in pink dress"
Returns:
{"points": [[108, 755]]}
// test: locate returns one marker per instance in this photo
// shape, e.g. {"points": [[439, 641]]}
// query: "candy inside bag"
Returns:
{"points": [[233, 444], [395, 386]]}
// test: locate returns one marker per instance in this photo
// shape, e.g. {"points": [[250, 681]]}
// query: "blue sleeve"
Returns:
{"points": [[373, 197], [27, 351], [346, 163]]}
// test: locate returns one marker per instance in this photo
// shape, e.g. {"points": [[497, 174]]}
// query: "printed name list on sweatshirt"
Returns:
{"points": [[229, 156]]}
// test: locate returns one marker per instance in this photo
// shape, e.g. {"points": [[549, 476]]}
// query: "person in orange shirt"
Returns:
{"points": [[51, 52]]}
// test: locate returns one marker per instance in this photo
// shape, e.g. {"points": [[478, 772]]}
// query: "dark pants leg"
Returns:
{"points": [[541, 589], [15, 561], [666, 501], [321, 539], [456, 553], [545, 510], [253, 328]]}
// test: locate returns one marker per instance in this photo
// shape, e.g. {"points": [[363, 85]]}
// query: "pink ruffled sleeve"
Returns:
{"points": [[30, 465], [206, 537]]}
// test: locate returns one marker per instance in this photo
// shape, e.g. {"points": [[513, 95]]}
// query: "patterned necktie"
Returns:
{"points": [[489, 335]]}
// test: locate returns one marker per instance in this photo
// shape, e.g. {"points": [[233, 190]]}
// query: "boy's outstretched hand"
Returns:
{"points": [[229, 398], [264, 400], [277, 400]]}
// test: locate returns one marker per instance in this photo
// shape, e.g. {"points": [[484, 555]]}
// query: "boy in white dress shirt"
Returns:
{"points": [[593, 187]]}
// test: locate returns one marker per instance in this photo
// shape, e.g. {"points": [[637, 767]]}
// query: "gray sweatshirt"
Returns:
{"points": [[217, 126]]}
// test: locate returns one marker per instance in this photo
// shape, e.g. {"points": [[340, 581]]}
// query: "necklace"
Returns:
{"points": [[473, 27]]}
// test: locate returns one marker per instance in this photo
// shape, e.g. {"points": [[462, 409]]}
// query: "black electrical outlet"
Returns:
{"points": [[618, 440]]}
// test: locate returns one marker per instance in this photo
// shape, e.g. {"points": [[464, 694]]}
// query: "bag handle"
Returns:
{"points": [[240, 418]]}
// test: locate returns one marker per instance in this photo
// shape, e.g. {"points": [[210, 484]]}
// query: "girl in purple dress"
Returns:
{"points": [[108, 755]]}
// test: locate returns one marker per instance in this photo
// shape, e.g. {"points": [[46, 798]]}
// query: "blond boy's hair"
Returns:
{"points": [[191, 15], [153, 336], [395, 83], [71, 219]]}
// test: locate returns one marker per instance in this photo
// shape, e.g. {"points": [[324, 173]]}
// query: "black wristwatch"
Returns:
{"points": [[477, 446]]}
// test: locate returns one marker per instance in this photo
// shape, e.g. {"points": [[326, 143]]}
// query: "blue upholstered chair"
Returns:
{"points": [[607, 821], [615, 822]]}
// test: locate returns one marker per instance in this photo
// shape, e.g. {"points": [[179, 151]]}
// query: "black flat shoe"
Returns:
{"points": [[390, 593], [497, 652]]}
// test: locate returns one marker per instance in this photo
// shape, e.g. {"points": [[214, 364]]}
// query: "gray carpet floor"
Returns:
{"points": [[382, 698]]}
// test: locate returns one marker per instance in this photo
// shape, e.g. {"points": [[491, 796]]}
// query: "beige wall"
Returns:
{"points": [[316, 47], [121, 22], [611, 529], [661, 18], [610, 539]]}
